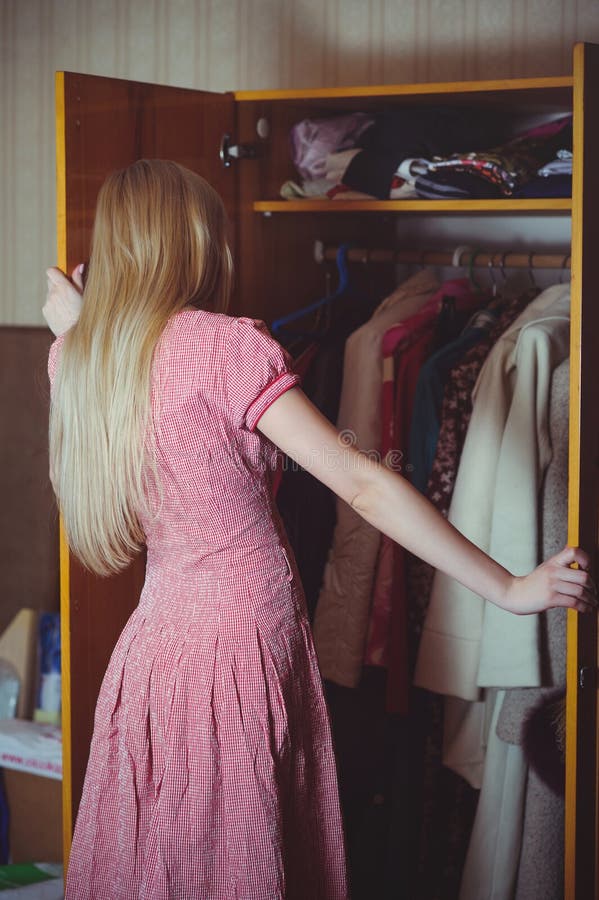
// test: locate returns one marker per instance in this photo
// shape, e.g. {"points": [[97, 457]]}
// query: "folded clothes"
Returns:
{"points": [[312, 140], [454, 185], [337, 163], [547, 186], [403, 153], [322, 189], [510, 166], [314, 188], [407, 171], [402, 190], [561, 165], [466, 186], [420, 133], [410, 169]]}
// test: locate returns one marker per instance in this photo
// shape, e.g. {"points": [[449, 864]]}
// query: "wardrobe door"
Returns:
{"points": [[104, 124], [581, 743]]}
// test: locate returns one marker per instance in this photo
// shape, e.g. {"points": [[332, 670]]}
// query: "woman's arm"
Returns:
{"points": [[390, 503]]}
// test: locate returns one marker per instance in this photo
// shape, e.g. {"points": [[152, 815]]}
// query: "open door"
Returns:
{"points": [[581, 866], [104, 124]]}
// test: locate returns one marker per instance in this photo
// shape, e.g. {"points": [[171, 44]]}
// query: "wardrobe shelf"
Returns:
{"points": [[558, 205]]}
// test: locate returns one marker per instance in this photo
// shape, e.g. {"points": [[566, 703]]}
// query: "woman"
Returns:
{"points": [[211, 771]]}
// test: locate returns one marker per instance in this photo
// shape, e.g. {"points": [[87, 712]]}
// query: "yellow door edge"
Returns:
{"points": [[574, 473], [65, 625]]}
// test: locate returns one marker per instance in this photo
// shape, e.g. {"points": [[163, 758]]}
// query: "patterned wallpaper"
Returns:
{"points": [[228, 44]]}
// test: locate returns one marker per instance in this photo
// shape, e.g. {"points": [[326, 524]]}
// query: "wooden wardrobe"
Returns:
{"points": [[104, 124]]}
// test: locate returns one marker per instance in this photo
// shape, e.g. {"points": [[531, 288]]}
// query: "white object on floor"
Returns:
{"points": [[52, 889], [31, 747]]}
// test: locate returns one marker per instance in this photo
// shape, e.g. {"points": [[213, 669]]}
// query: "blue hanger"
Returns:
{"points": [[342, 288]]}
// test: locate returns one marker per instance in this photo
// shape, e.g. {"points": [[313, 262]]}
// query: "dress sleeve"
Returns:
{"points": [[258, 371]]}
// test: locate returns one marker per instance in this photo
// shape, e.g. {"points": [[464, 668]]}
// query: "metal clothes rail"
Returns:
{"points": [[460, 257]]}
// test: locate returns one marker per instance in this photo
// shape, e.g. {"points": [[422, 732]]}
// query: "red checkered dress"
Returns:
{"points": [[211, 773]]}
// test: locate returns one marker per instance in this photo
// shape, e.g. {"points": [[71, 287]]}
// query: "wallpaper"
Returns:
{"points": [[228, 44]]}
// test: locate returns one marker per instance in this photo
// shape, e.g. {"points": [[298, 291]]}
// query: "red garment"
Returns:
{"points": [[387, 640], [211, 772], [405, 348]]}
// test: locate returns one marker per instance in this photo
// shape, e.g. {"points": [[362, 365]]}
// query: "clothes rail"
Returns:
{"points": [[462, 256]]}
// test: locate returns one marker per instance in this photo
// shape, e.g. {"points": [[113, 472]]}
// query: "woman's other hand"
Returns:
{"points": [[554, 583], [63, 299]]}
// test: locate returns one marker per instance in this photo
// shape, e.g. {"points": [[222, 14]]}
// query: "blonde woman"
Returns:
{"points": [[211, 772]]}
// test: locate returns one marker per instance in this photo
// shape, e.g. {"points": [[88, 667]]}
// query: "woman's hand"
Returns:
{"points": [[63, 299], [553, 583]]}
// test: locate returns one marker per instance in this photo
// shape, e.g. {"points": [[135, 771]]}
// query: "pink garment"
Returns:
{"points": [[341, 620], [388, 641], [312, 140], [211, 771], [405, 348]]}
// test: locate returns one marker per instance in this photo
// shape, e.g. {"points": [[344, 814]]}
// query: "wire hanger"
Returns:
{"points": [[491, 270], [343, 286], [475, 284], [530, 270]]}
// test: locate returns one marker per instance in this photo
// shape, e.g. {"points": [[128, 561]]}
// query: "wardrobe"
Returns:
{"points": [[239, 142]]}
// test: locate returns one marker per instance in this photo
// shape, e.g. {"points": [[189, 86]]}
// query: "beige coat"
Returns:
{"points": [[341, 620], [468, 644], [516, 847]]}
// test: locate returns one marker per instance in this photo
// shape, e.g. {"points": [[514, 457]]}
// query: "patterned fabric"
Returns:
{"points": [[407, 345], [387, 640], [447, 801], [455, 417], [341, 619], [211, 771], [513, 164]]}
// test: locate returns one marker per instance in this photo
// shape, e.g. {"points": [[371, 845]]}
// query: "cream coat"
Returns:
{"points": [[468, 644], [341, 621]]}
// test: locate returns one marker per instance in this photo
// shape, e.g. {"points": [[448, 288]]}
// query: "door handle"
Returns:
{"points": [[229, 151], [585, 674]]}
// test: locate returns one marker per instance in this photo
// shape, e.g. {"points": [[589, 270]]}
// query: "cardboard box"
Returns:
{"points": [[35, 806]]}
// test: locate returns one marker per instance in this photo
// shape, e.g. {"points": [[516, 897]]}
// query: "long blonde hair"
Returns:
{"points": [[159, 244]]}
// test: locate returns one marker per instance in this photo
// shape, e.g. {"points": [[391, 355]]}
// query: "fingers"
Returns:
{"points": [[584, 604], [576, 590], [55, 275], [77, 276], [570, 555], [576, 576]]}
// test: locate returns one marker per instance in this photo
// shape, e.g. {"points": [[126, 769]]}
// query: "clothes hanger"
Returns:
{"points": [[491, 271], [530, 272], [563, 270], [502, 266], [475, 284], [298, 344], [279, 326]]}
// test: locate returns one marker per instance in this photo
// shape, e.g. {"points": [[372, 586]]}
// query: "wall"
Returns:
{"points": [[228, 44]]}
